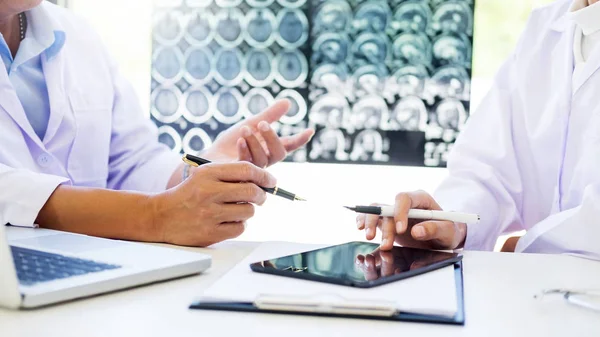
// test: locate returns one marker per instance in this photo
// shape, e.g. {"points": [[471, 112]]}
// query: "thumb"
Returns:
{"points": [[443, 233]]}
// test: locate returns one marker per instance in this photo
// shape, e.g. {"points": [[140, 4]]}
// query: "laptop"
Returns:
{"points": [[40, 266]]}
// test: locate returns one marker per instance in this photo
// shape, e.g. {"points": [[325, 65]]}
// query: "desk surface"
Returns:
{"points": [[499, 291]]}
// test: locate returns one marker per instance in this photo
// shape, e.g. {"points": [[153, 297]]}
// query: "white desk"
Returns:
{"points": [[499, 291]]}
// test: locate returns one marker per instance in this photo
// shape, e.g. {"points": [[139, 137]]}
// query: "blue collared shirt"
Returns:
{"points": [[26, 73]]}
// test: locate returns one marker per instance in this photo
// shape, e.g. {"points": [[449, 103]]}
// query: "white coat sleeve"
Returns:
{"points": [[574, 231], [23, 195], [483, 169], [138, 161]]}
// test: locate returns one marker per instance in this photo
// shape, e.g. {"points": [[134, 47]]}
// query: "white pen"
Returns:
{"points": [[423, 214]]}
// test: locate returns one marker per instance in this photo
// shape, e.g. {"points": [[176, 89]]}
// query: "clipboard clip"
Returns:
{"points": [[326, 304]]}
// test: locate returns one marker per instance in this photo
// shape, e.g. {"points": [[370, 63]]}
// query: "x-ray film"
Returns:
{"points": [[382, 82]]}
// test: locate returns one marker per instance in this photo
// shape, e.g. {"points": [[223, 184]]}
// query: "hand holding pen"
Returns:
{"points": [[197, 161], [422, 231]]}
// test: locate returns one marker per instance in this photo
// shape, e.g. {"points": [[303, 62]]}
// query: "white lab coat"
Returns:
{"points": [[97, 134], [529, 158]]}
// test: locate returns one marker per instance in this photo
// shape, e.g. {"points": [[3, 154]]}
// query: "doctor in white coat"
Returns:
{"points": [[529, 158], [77, 154]]}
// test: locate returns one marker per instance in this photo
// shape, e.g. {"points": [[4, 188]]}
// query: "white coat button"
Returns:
{"points": [[44, 160]]}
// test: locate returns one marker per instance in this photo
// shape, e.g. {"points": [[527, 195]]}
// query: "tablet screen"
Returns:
{"points": [[359, 264]]}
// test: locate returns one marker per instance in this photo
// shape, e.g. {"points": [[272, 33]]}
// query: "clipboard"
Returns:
{"points": [[376, 312]]}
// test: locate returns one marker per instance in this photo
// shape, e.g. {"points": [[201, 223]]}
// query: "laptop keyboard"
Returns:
{"points": [[34, 266]]}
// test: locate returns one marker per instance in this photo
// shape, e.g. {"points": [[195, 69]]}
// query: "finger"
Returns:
{"points": [[258, 153], [406, 201], [276, 150], [243, 151], [441, 232], [292, 143], [271, 114], [388, 233], [234, 212], [387, 263], [360, 221], [360, 260], [229, 230], [401, 208], [242, 193], [371, 222], [370, 268], [241, 172]]}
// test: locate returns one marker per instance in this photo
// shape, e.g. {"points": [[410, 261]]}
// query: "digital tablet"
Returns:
{"points": [[357, 264]]}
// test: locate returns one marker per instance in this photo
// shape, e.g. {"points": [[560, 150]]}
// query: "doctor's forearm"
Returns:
{"points": [[99, 212]]}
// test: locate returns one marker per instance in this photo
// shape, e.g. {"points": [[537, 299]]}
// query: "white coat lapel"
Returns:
{"points": [[10, 103], [589, 69]]}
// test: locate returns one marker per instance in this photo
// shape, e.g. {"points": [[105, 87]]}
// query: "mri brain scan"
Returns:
{"points": [[381, 81]]}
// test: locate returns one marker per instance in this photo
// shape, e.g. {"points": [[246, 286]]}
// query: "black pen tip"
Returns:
{"points": [[351, 208]]}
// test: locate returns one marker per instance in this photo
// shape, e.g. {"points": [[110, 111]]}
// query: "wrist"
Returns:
{"points": [[152, 223]]}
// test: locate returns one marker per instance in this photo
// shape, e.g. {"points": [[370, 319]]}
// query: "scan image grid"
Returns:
{"points": [[382, 82]]}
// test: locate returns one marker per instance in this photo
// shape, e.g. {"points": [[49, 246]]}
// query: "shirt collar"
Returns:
{"points": [[586, 17], [44, 35]]}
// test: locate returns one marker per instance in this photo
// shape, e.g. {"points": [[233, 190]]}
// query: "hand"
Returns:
{"points": [[210, 206], [383, 263], [254, 140], [428, 234]]}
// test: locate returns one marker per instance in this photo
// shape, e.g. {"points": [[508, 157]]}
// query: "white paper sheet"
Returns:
{"points": [[431, 293]]}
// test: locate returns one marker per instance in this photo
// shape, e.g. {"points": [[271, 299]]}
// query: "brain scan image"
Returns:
{"points": [[259, 67], [411, 80], [198, 65], [376, 79], [330, 76], [298, 108], [260, 3], [410, 113], [412, 16], [291, 3], [196, 140], [329, 111], [369, 79], [329, 144], [230, 25], [453, 17], [368, 145], [371, 48], [198, 107], [369, 113], [332, 16], [228, 109], [228, 3], [372, 16], [167, 64], [198, 3], [450, 49], [261, 25], [331, 48], [293, 28], [450, 81], [258, 100], [229, 66], [168, 29], [292, 68], [412, 48], [168, 136], [200, 28], [166, 104], [451, 114]]}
